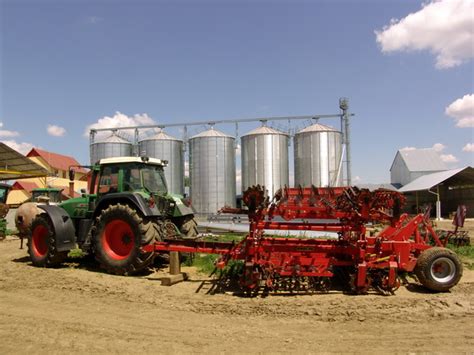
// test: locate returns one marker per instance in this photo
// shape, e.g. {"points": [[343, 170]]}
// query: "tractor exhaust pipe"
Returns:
{"points": [[71, 183]]}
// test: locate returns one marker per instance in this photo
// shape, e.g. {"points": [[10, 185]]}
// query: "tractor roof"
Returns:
{"points": [[146, 160], [47, 189]]}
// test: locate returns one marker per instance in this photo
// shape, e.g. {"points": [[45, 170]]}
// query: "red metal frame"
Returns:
{"points": [[371, 260]]}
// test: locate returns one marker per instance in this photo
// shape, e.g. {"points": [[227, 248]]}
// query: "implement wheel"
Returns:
{"points": [[42, 243], [438, 269], [119, 237]]}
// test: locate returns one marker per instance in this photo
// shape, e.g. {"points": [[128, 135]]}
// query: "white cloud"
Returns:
{"points": [[22, 147], [120, 120], [462, 111], [449, 158], [439, 147], [404, 149], [469, 147], [7, 134], [56, 131], [444, 27]]}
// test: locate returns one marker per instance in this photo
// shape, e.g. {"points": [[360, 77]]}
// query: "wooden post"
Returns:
{"points": [[175, 274], [175, 265]]}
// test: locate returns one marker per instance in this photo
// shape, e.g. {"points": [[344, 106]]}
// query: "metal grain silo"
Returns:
{"points": [[318, 153], [212, 171], [165, 147], [112, 146], [265, 159]]}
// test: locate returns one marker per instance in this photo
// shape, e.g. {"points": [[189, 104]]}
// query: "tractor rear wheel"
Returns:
{"points": [[438, 269], [42, 243], [119, 237]]}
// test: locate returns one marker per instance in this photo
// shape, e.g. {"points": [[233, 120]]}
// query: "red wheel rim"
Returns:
{"points": [[39, 240], [118, 240]]}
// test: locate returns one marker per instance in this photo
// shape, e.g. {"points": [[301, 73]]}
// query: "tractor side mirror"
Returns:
{"points": [[71, 174]]}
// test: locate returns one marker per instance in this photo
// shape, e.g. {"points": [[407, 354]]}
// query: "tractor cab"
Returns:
{"points": [[129, 174], [51, 195], [4, 189]]}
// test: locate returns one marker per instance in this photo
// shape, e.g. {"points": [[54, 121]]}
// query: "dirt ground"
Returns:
{"points": [[78, 309]]}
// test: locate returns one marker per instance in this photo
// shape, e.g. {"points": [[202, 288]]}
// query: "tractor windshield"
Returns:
{"points": [[142, 176], [154, 179], [3, 194], [54, 196]]}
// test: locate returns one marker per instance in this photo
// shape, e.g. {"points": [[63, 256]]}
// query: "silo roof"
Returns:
{"points": [[113, 139], [264, 130], [317, 127], [211, 133], [161, 135]]}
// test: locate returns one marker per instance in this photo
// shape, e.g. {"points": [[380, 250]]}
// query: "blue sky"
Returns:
{"points": [[70, 63]]}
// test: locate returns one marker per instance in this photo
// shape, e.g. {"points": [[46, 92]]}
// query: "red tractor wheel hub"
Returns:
{"points": [[118, 240], [39, 240]]}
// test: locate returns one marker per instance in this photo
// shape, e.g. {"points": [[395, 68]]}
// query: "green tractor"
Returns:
{"points": [[4, 189], [127, 207]]}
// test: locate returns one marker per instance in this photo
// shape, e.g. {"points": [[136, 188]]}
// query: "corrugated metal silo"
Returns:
{"points": [[212, 171], [112, 146], [166, 147], [318, 153], [265, 159]]}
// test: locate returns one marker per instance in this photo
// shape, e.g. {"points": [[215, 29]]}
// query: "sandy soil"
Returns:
{"points": [[79, 309]]}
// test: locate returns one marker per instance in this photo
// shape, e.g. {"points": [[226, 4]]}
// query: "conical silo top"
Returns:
{"points": [[211, 133], [264, 130], [161, 135], [317, 127], [113, 138]]}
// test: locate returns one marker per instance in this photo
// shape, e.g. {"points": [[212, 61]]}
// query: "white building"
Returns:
{"points": [[409, 165]]}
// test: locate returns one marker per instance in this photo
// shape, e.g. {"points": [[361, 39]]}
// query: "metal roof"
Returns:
{"points": [[211, 133], [456, 177], [264, 130], [113, 139], [426, 159], [161, 135], [14, 165], [318, 127]]}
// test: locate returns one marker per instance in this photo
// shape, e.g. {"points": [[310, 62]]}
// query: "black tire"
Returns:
{"points": [[118, 238], [42, 243], [188, 227], [438, 269]]}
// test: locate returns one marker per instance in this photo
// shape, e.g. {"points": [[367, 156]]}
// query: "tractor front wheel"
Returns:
{"points": [[42, 243], [188, 227], [119, 237], [438, 269]]}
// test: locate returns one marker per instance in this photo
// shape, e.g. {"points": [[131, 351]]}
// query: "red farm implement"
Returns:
{"points": [[364, 260]]}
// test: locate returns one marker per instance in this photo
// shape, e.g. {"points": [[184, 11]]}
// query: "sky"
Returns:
{"points": [[405, 66]]}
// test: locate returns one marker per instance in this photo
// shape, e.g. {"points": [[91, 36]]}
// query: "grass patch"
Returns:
{"points": [[204, 263], [466, 253], [76, 253], [226, 237]]}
